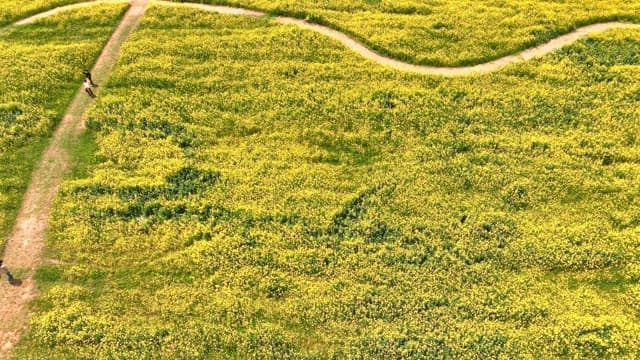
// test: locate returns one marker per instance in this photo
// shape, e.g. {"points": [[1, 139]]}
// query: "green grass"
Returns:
{"points": [[251, 199], [83, 154], [15, 170], [450, 32], [42, 66]]}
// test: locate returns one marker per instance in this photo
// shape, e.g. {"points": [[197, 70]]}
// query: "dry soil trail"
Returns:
{"points": [[24, 248], [367, 53]]}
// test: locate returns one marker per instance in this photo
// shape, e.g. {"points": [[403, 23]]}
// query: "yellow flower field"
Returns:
{"points": [[260, 192], [13, 10]]}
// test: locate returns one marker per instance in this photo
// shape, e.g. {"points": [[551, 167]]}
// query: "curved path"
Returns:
{"points": [[23, 250], [367, 53]]}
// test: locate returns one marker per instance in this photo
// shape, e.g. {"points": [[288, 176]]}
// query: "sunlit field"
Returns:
{"points": [[255, 191], [41, 66]]}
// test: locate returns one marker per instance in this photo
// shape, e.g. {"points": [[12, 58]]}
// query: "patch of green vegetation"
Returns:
{"points": [[15, 173], [82, 151], [48, 275]]}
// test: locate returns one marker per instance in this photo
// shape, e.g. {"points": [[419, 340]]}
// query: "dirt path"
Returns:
{"points": [[365, 52], [490, 66], [24, 247]]}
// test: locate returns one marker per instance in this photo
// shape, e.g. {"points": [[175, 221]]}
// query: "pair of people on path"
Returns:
{"points": [[88, 83], [4, 270]]}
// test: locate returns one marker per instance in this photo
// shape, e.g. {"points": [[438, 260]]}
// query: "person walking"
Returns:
{"points": [[87, 76], [87, 88], [3, 269]]}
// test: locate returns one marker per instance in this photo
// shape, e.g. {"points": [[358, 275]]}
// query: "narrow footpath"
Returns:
{"points": [[487, 67], [361, 49], [24, 247]]}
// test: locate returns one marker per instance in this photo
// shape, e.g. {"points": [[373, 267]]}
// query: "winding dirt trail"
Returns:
{"points": [[367, 53], [24, 248]]}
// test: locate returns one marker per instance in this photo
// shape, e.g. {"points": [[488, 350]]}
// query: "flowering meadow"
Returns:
{"points": [[41, 66], [13, 10], [449, 32], [260, 192]]}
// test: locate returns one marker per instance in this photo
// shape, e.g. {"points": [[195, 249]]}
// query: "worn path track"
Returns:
{"points": [[367, 53], [24, 248]]}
